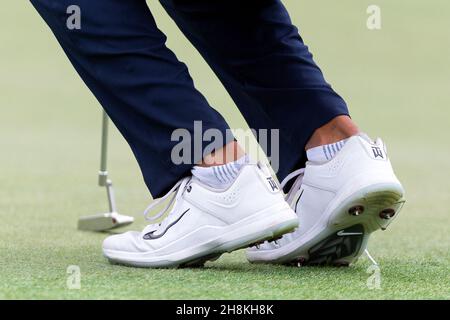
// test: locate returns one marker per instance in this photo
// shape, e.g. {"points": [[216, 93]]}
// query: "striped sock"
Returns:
{"points": [[326, 152], [222, 176]]}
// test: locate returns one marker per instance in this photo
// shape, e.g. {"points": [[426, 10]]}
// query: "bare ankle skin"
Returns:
{"points": [[229, 153], [340, 128]]}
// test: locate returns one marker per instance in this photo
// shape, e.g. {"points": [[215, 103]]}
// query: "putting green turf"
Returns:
{"points": [[395, 80]]}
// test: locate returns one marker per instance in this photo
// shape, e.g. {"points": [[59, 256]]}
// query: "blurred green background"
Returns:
{"points": [[396, 81]]}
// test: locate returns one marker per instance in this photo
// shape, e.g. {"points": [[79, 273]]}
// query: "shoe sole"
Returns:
{"points": [[200, 262], [271, 224], [348, 228]]}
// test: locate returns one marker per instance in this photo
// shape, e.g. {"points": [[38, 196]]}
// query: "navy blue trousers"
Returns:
{"points": [[251, 45]]}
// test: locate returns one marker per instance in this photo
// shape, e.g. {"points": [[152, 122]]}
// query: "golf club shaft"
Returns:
{"points": [[104, 153], [103, 174]]}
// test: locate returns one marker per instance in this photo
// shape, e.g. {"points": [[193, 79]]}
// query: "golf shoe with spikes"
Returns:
{"points": [[339, 204]]}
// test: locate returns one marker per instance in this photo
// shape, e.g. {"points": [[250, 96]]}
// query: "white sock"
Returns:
{"points": [[222, 176], [326, 152]]}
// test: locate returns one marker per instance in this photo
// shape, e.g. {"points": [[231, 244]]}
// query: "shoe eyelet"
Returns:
{"points": [[189, 188]]}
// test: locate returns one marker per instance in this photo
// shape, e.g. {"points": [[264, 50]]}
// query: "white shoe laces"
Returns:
{"points": [[296, 186], [175, 193], [300, 173], [291, 176]]}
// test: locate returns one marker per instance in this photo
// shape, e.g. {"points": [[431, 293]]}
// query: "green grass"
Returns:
{"points": [[396, 81]]}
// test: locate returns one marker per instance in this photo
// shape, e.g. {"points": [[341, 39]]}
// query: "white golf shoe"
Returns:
{"points": [[339, 204], [205, 222]]}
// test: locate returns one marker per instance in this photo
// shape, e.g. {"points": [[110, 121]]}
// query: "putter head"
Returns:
{"points": [[104, 221]]}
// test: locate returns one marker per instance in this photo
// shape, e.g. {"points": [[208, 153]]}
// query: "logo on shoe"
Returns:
{"points": [[152, 236], [377, 152], [272, 184]]}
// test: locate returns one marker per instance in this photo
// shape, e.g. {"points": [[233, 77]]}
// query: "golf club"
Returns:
{"points": [[111, 219]]}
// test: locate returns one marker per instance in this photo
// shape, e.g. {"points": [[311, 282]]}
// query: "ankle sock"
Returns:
{"points": [[326, 152], [222, 176]]}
